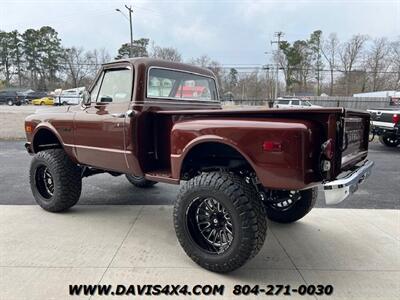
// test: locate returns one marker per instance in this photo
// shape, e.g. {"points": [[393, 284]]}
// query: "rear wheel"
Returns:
{"points": [[219, 221], [55, 180], [290, 206], [390, 140], [10, 102], [140, 181]]}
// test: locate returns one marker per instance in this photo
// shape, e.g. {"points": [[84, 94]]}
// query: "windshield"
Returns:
{"points": [[164, 83], [306, 103]]}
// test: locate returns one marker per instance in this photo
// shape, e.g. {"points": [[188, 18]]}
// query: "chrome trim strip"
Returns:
{"points": [[383, 124], [99, 149]]}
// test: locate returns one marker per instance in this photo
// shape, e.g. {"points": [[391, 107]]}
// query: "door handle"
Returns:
{"points": [[118, 115], [129, 113]]}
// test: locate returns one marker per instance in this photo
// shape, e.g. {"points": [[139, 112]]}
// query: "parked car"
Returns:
{"points": [[237, 167], [34, 95], [43, 101], [69, 97], [385, 123], [10, 98], [292, 102]]}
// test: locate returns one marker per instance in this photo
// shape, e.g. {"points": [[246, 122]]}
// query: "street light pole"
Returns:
{"points": [[130, 27], [130, 10]]}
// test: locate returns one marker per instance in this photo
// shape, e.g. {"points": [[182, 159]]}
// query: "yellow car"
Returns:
{"points": [[43, 101]]}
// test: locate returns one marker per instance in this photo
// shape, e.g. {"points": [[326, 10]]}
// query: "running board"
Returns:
{"points": [[161, 176]]}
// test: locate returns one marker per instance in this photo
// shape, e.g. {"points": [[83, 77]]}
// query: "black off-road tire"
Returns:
{"points": [[66, 177], [389, 140], [140, 181], [296, 211], [247, 215]]}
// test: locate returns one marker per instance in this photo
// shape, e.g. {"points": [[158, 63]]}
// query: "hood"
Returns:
{"points": [[54, 109]]}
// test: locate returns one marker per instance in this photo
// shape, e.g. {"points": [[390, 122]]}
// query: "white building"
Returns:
{"points": [[392, 94]]}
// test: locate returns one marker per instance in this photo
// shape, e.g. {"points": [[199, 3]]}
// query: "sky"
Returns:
{"points": [[232, 32]]}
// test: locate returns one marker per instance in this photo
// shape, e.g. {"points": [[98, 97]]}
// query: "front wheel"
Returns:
{"points": [[10, 102], [390, 140], [140, 181], [219, 221], [290, 206], [55, 180]]}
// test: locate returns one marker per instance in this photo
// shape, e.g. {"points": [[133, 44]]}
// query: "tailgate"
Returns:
{"points": [[355, 135], [380, 116]]}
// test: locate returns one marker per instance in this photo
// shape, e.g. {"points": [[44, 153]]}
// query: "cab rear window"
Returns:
{"points": [[172, 84]]}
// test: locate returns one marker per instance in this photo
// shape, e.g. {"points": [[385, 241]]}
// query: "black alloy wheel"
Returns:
{"points": [[210, 225], [44, 182]]}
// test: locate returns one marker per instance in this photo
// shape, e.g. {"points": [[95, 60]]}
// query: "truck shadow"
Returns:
{"points": [[310, 246]]}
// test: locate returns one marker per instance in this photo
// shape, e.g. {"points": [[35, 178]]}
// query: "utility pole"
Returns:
{"points": [[268, 68], [278, 35], [130, 10]]}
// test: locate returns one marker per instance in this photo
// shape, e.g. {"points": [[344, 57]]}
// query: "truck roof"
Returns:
{"points": [[153, 62]]}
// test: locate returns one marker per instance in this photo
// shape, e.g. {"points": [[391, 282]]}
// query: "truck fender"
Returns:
{"points": [[49, 127], [178, 159]]}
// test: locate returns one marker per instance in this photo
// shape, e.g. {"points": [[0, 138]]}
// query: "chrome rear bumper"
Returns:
{"points": [[338, 190]]}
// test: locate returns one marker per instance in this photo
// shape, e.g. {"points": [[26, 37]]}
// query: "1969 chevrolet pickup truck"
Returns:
{"points": [[158, 121]]}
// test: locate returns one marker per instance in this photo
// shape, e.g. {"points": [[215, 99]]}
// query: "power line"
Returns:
{"points": [[260, 68]]}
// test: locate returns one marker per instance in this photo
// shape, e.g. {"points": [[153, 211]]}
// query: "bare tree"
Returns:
{"points": [[378, 62], [167, 53], [206, 62], [97, 58], [77, 65], [350, 53], [395, 62], [81, 66], [330, 51]]}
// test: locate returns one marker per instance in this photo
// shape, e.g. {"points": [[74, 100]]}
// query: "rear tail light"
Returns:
{"points": [[327, 149], [271, 146], [396, 118]]}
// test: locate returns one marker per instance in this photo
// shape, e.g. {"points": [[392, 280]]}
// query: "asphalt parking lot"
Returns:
{"points": [[382, 190]]}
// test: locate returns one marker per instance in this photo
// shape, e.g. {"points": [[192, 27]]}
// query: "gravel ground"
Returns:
{"points": [[12, 120]]}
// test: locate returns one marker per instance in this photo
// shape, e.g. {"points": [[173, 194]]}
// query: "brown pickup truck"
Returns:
{"points": [[158, 121]]}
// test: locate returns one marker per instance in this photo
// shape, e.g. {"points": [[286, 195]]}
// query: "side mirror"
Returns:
{"points": [[85, 97], [106, 99]]}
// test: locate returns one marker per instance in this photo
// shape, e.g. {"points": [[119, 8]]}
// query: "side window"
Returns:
{"points": [[173, 84], [117, 85], [295, 102]]}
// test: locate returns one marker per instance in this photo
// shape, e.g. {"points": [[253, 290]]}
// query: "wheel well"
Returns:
{"points": [[211, 156], [45, 139]]}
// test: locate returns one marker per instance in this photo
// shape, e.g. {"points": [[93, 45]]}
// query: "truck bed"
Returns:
{"points": [[347, 128]]}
